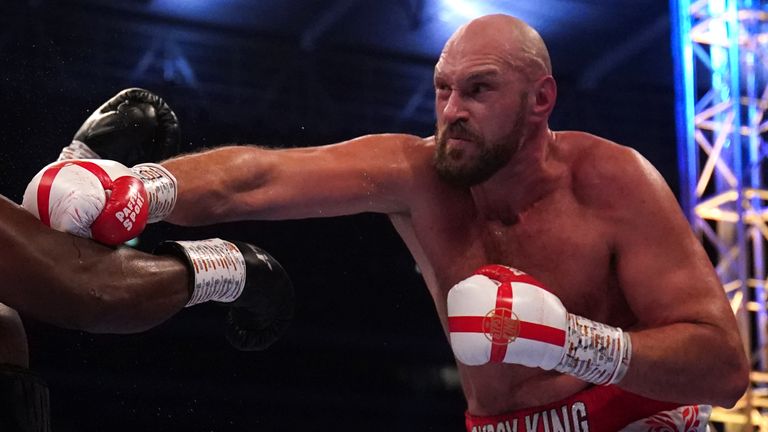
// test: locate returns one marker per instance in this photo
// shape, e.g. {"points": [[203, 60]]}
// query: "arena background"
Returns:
{"points": [[366, 351]]}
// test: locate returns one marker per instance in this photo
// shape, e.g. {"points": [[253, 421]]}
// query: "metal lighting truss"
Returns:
{"points": [[720, 72]]}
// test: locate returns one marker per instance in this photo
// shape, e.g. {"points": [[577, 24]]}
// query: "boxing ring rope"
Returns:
{"points": [[721, 76]]}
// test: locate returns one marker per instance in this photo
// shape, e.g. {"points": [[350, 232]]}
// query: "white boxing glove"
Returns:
{"points": [[100, 199], [502, 315]]}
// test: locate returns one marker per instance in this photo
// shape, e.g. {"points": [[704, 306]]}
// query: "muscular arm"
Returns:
{"points": [[686, 346], [367, 174], [76, 283]]}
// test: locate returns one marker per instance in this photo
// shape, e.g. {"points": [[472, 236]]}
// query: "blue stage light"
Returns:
{"points": [[462, 10], [192, 9]]}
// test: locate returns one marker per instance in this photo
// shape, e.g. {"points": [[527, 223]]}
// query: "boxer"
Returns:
{"points": [[76, 283], [622, 315]]}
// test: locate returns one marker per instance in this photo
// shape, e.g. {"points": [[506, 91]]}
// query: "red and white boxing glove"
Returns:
{"points": [[503, 315], [100, 199]]}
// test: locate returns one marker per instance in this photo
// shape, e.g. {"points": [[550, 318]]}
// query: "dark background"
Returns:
{"points": [[366, 351]]}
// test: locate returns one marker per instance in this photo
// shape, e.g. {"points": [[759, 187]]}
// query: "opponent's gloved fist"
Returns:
{"points": [[132, 127], [96, 199], [502, 315], [263, 312], [249, 280]]}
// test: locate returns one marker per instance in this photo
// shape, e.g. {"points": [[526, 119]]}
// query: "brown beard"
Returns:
{"points": [[455, 169]]}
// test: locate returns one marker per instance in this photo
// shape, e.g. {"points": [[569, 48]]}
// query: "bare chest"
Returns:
{"points": [[561, 244]]}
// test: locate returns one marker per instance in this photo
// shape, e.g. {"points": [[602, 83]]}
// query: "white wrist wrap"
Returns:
{"points": [[161, 189], [77, 150], [595, 352], [219, 270]]}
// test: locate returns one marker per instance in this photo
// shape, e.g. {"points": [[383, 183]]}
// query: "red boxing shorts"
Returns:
{"points": [[598, 409]]}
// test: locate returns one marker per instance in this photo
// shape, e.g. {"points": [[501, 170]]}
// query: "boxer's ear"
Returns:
{"points": [[542, 98]]}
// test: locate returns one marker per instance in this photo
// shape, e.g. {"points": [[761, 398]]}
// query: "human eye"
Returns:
{"points": [[441, 88], [479, 88]]}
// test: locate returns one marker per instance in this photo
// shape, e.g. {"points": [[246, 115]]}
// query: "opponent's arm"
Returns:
{"points": [[367, 174], [77, 283], [686, 345]]}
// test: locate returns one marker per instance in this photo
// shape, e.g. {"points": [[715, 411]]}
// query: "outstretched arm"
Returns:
{"points": [[367, 174], [77, 283]]}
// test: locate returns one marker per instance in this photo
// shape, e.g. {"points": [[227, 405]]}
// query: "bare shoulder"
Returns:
{"points": [[407, 158], [392, 150], [407, 149], [388, 141], [379, 173], [610, 176], [401, 167]]}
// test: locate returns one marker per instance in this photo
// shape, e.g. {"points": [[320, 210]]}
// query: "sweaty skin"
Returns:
{"points": [[591, 219], [77, 283]]}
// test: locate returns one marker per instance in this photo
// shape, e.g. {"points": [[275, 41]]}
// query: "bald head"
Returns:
{"points": [[503, 36], [494, 92]]}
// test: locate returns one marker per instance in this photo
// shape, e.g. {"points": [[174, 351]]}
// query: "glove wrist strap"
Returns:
{"points": [[595, 352], [161, 189], [217, 266]]}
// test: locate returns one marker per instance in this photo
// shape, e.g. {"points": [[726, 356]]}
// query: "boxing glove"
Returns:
{"points": [[100, 199], [503, 315], [134, 126], [247, 279]]}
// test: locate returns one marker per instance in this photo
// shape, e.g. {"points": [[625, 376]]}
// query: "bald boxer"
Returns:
{"points": [[571, 287]]}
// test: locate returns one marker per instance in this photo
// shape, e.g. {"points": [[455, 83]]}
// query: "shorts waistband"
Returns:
{"points": [[596, 409]]}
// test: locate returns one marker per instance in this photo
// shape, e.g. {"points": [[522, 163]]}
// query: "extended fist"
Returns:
{"points": [[96, 199], [248, 279]]}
